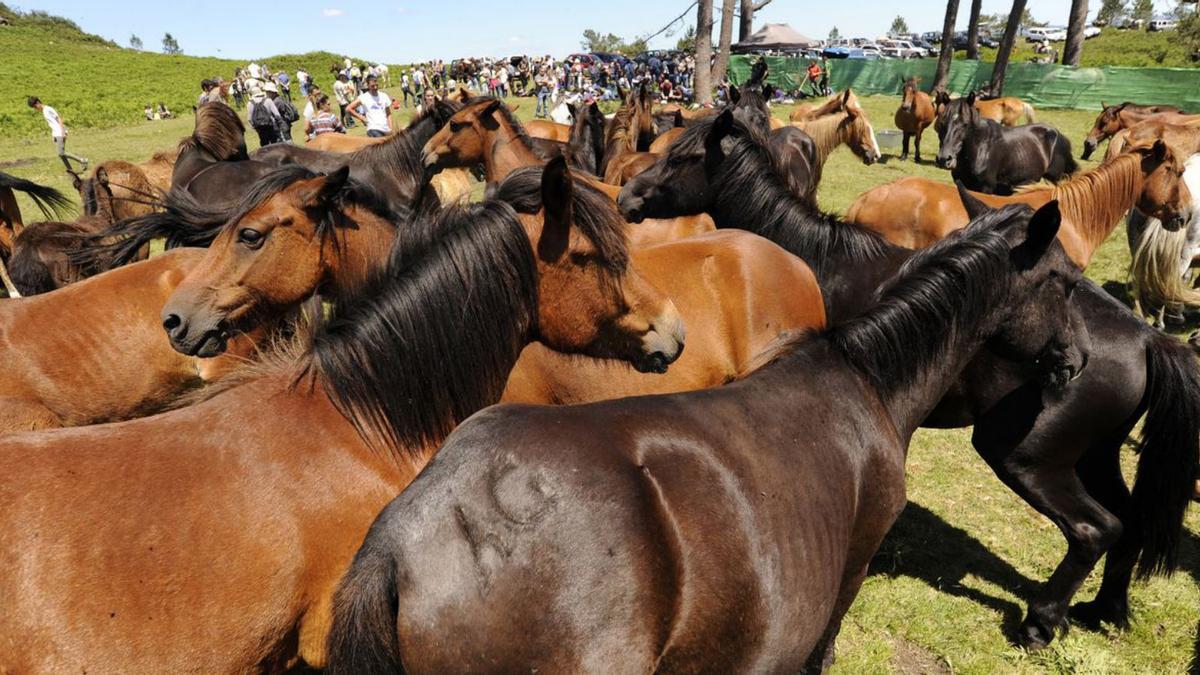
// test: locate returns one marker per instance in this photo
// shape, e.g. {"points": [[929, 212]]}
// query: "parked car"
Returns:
{"points": [[1051, 33], [960, 41], [930, 48], [901, 49], [1162, 24], [932, 37], [865, 54]]}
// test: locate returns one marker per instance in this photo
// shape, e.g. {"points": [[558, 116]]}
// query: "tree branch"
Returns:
{"points": [[761, 3]]}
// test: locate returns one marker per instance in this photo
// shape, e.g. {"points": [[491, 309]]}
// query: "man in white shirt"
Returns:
{"points": [[58, 130], [376, 109]]}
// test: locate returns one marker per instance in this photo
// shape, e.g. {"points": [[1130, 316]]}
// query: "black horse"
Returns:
{"points": [[989, 157], [798, 162], [1056, 446]]}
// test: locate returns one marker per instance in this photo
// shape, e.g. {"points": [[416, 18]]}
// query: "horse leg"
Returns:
{"points": [[821, 658], [917, 144], [904, 149], [1100, 471]]}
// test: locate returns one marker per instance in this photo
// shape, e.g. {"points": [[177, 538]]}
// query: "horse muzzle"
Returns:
{"points": [[189, 339], [631, 206], [663, 344], [945, 163], [1089, 146], [1175, 223]]}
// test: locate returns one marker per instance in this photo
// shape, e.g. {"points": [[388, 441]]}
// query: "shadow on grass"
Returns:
{"points": [[923, 546]]}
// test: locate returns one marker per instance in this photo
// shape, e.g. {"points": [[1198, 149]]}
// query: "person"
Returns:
{"points": [[406, 89], [237, 87], [825, 91], [427, 101], [376, 109], [283, 85], [542, 82], [310, 105], [303, 79], [206, 86], [287, 112], [814, 77], [264, 116], [344, 93], [323, 121], [58, 131], [163, 113]]}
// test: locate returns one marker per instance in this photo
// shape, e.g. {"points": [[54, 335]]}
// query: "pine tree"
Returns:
{"points": [[1111, 12], [899, 26], [171, 45], [135, 42]]}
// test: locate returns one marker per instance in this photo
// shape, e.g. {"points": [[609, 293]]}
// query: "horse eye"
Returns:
{"points": [[456, 126], [250, 237]]}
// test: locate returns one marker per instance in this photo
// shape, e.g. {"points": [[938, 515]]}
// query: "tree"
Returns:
{"points": [[947, 53], [703, 75], [687, 43], [1111, 12], [595, 42], [1075, 25], [1188, 33], [899, 26], [746, 21], [834, 34], [135, 42], [973, 30], [1006, 46], [722, 63], [171, 45], [1142, 12]]}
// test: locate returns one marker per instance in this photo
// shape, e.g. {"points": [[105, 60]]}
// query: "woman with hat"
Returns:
{"points": [[263, 114]]}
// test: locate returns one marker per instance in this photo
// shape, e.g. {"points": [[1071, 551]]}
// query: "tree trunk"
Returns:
{"points": [[1006, 46], [703, 79], [973, 30], [746, 22], [1075, 25], [722, 64], [947, 52]]}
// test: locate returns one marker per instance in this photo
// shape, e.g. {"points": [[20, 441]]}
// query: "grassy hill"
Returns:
{"points": [[95, 83], [1131, 48]]}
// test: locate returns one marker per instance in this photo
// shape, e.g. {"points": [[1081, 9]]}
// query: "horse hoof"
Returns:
{"points": [[903, 158], [1093, 613], [1033, 637]]}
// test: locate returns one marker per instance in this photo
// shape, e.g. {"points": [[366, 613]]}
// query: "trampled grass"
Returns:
{"points": [[952, 580]]}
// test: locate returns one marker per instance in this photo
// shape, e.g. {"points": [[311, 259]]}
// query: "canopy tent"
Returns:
{"points": [[774, 36]]}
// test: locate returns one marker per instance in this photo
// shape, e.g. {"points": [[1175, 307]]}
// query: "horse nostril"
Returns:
{"points": [[171, 322]]}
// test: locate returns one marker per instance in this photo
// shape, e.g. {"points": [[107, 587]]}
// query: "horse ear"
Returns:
{"points": [[594, 109], [722, 127], [557, 190], [1043, 228], [846, 98], [326, 190], [1103, 105], [490, 108], [734, 95], [975, 208]]}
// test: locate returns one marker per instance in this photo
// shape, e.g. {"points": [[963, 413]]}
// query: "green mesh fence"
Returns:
{"points": [[1046, 86]]}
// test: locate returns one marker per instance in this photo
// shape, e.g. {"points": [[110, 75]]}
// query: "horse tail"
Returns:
{"points": [[1155, 267], [1168, 450], [49, 201], [29, 273], [1030, 117], [363, 637]]}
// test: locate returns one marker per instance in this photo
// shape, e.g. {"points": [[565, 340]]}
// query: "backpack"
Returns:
{"points": [[260, 117], [286, 110]]}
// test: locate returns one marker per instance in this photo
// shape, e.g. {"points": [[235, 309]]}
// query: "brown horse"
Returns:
{"points": [[836, 103], [1114, 118], [665, 139], [94, 352], [486, 132], [914, 115], [117, 190], [850, 127], [1006, 110], [1176, 129], [212, 536], [723, 531], [625, 167], [43, 254], [549, 130], [915, 212]]}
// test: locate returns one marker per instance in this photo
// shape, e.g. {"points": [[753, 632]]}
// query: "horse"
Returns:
{"points": [[850, 127], [49, 201], [326, 436], [603, 516], [1057, 448], [751, 107], [44, 254], [798, 161], [585, 148], [914, 212], [1004, 110], [486, 132], [836, 103], [988, 157], [549, 130], [213, 164], [1114, 118], [117, 189], [1161, 260], [913, 116], [94, 352], [630, 130]]}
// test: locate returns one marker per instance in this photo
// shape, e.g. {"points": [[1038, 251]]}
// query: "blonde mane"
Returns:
{"points": [[1094, 202], [830, 131]]}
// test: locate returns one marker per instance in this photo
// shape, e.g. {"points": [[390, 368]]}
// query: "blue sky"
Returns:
{"points": [[399, 31]]}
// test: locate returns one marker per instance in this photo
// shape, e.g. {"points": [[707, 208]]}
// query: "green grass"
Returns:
{"points": [[94, 83], [1129, 48], [953, 577]]}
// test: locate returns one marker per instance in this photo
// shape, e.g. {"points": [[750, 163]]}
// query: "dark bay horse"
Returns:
{"points": [[213, 165], [213, 536], [988, 157], [1057, 448], [915, 114], [798, 161], [585, 148], [727, 530], [1114, 118]]}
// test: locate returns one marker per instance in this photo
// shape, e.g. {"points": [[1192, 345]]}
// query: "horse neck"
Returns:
{"points": [[1094, 203], [506, 151], [828, 133], [361, 252]]}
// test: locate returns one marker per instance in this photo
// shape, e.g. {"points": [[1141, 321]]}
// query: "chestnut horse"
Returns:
{"points": [[117, 189], [159, 539], [719, 531], [836, 103], [1114, 118], [549, 130], [44, 254], [914, 115], [915, 212], [1056, 445], [1006, 110], [94, 352], [486, 132], [850, 127]]}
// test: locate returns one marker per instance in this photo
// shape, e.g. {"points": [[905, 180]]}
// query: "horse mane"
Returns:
{"points": [[592, 211], [943, 290], [169, 156], [219, 130], [826, 131], [754, 195], [1102, 195], [49, 201], [433, 337]]}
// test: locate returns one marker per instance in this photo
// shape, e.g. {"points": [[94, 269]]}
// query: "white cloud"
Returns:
{"points": [[332, 12]]}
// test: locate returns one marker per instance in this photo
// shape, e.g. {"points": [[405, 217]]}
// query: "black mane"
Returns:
{"points": [[593, 212], [49, 201], [433, 337]]}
